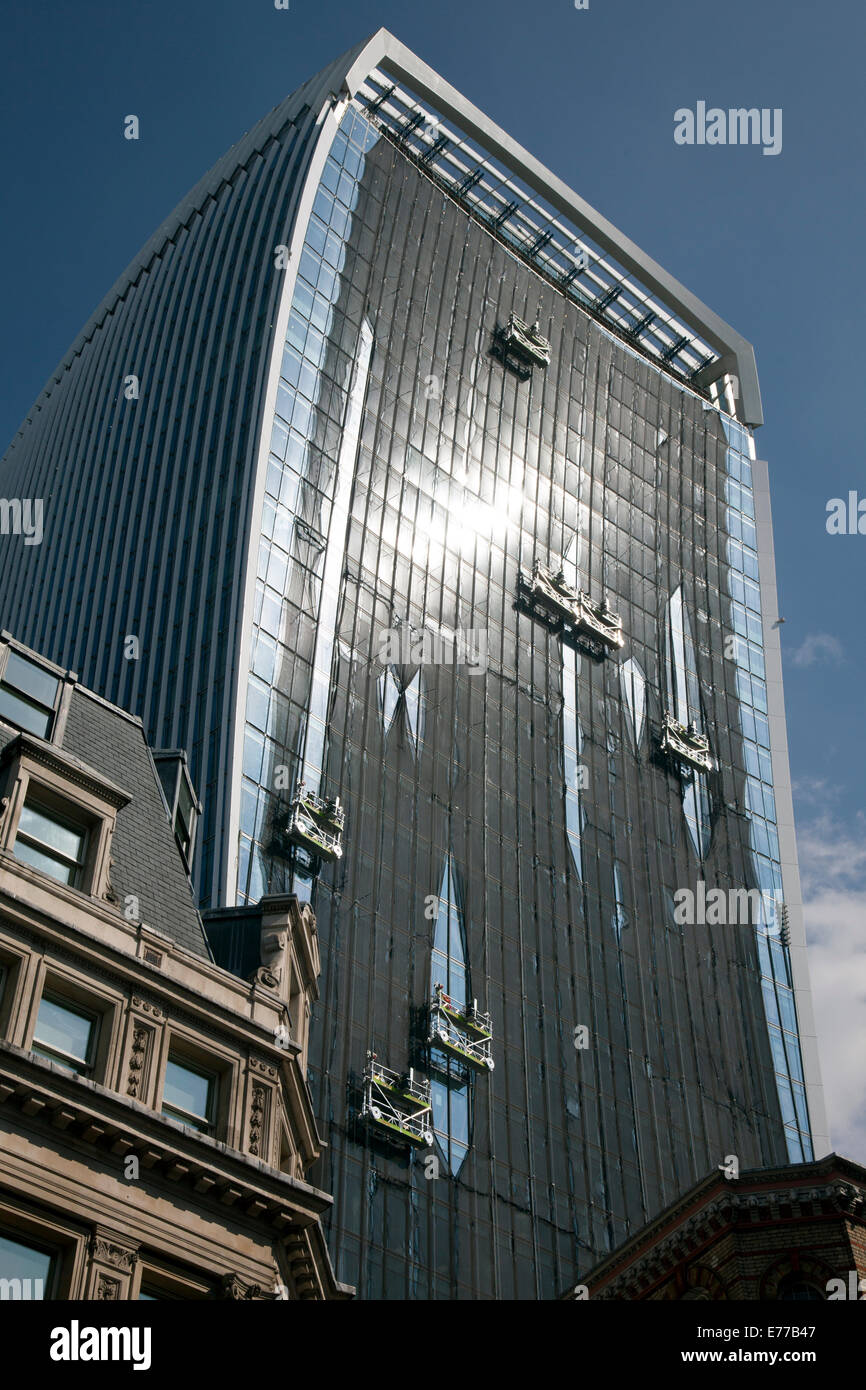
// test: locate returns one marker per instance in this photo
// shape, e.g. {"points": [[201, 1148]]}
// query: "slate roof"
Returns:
{"points": [[147, 860]]}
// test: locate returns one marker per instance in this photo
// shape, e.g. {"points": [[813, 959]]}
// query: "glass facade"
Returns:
{"points": [[515, 833], [450, 1085], [748, 654], [313, 443]]}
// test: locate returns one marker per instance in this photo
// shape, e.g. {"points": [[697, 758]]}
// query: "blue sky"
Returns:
{"points": [[773, 244]]}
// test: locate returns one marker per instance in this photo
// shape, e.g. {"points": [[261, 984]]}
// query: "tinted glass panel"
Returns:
{"points": [[63, 839], [56, 868]]}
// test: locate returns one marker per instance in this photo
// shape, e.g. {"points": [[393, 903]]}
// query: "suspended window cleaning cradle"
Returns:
{"points": [[570, 612], [316, 824], [461, 1032], [521, 346], [686, 747], [397, 1105]]}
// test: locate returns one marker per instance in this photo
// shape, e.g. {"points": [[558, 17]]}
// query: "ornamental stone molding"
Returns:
{"points": [[233, 1287], [137, 1058], [804, 1267], [108, 1252], [148, 1006], [774, 1206], [257, 1119], [266, 1068], [50, 756]]}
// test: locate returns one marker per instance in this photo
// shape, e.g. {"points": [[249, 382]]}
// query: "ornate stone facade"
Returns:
{"points": [[125, 1196]]}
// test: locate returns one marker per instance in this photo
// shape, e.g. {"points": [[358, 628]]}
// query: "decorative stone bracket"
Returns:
{"points": [[111, 1261]]}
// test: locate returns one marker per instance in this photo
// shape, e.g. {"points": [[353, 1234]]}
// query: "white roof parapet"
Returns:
{"points": [[736, 355]]}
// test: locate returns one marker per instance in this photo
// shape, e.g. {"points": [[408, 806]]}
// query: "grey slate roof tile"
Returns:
{"points": [[146, 860]]}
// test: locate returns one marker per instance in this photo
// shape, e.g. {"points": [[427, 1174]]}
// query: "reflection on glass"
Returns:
{"points": [[24, 1270], [64, 1034], [760, 801], [449, 968]]}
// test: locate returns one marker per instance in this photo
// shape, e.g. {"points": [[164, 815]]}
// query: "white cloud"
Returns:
{"points": [[818, 646], [833, 871]]}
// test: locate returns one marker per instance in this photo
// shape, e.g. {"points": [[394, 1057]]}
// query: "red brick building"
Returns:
{"points": [[793, 1233]]}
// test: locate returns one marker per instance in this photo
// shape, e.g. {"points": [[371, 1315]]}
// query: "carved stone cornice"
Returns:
{"points": [[122, 1257], [149, 1006], [266, 1068], [232, 1286], [63, 764], [302, 1268], [115, 1124], [728, 1210]]}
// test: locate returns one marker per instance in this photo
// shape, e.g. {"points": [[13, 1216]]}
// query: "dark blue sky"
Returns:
{"points": [[773, 244]]}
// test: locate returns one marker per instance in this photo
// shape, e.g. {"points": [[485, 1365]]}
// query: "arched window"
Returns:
{"points": [[795, 1289]]}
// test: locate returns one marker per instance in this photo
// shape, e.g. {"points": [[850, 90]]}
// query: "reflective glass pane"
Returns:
{"points": [[21, 712], [31, 680], [39, 825], [186, 1089], [63, 1029], [57, 868]]}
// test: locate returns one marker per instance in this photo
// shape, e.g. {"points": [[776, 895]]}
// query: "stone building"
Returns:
{"points": [[796, 1233], [155, 1121]]}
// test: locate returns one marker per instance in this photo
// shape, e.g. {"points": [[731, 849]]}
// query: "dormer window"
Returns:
{"points": [[183, 805], [184, 820], [57, 815], [51, 842], [28, 694]]}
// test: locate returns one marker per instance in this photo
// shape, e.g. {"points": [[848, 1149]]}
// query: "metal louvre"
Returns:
{"points": [[563, 253]]}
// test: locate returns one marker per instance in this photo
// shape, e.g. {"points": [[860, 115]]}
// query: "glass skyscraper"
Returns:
{"points": [[423, 510]]}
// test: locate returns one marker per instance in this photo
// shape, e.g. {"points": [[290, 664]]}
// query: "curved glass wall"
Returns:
{"points": [[684, 702], [760, 804], [299, 569], [411, 475]]}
